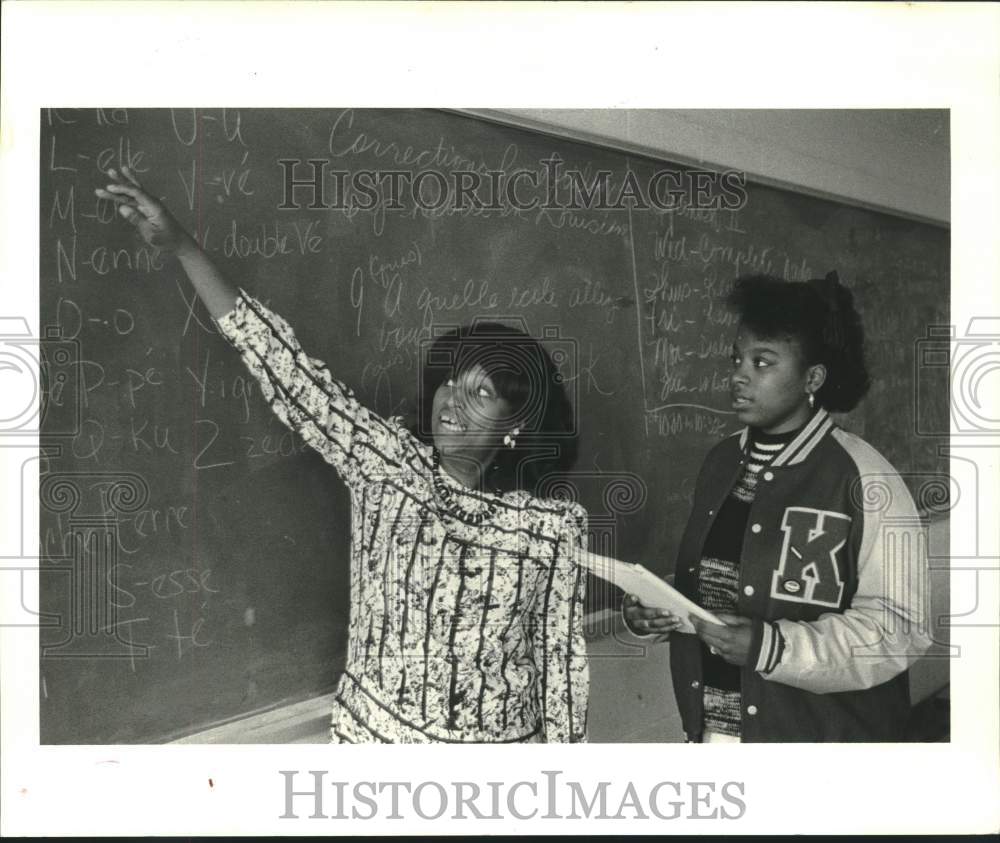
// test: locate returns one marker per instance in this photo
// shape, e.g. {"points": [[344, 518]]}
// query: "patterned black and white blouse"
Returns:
{"points": [[458, 633]]}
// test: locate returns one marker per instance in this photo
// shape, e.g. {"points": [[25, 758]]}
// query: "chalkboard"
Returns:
{"points": [[195, 553]]}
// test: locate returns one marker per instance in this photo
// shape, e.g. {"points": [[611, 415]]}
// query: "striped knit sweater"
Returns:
{"points": [[720, 576]]}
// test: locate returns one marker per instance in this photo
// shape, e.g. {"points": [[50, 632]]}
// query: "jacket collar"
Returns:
{"points": [[802, 445]]}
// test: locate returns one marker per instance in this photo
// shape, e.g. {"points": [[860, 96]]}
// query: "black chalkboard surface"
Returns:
{"points": [[195, 554]]}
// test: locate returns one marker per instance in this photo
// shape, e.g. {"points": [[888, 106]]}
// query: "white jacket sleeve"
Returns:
{"points": [[885, 628]]}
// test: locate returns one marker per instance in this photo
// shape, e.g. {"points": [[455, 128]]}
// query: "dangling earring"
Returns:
{"points": [[510, 440], [812, 401]]}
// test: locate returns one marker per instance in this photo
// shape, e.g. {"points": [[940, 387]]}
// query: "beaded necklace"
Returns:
{"points": [[455, 507]]}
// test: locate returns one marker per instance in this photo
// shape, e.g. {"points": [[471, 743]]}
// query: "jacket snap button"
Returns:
{"points": [[696, 684], [711, 512], [756, 528], [751, 709], [748, 591], [690, 570], [769, 475]]}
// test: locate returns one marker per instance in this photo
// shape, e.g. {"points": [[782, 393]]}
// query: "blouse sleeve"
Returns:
{"points": [[557, 637], [302, 393]]}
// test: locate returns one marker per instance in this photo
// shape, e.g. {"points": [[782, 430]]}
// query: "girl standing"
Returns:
{"points": [[803, 539], [466, 620]]}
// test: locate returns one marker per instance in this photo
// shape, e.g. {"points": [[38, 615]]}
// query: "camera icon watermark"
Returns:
{"points": [[960, 373], [41, 380], [918, 565], [620, 495]]}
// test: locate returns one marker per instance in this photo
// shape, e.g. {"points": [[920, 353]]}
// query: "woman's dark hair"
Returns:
{"points": [[525, 376], [820, 315]]}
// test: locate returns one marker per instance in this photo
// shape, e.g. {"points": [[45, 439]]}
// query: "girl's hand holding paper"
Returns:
{"points": [[731, 641], [656, 595], [643, 620]]}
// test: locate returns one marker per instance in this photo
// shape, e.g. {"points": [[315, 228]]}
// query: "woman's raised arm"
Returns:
{"points": [[299, 389], [158, 227]]}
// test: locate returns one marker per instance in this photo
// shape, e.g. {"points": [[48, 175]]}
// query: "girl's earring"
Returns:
{"points": [[812, 400], [510, 440]]}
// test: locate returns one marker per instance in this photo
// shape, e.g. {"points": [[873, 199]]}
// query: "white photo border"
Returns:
{"points": [[497, 56]]}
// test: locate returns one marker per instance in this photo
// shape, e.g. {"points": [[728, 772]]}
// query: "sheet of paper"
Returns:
{"points": [[651, 590]]}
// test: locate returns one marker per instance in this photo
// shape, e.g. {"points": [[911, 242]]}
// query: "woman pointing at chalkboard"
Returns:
{"points": [[802, 539], [466, 620]]}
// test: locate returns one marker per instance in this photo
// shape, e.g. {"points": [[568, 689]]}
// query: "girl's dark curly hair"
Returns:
{"points": [[523, 374], [820, 315]]}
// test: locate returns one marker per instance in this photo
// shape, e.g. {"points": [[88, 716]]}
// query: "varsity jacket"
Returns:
{"points": [[833, 573]]}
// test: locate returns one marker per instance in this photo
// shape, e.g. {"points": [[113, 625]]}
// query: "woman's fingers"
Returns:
{"points": [[113, 197], [151, 218], [127, 172], [125, 189], [127, 206], [645, 618], [130, 213], [645, 613], [130, 187], [734, 620], [632, 604], [711, 633], [132, 196], [660, 624]]}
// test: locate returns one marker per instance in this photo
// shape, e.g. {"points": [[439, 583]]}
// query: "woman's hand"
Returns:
{"points": [[149, 216], [159, 228], [731, 641], [645, 621]]}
